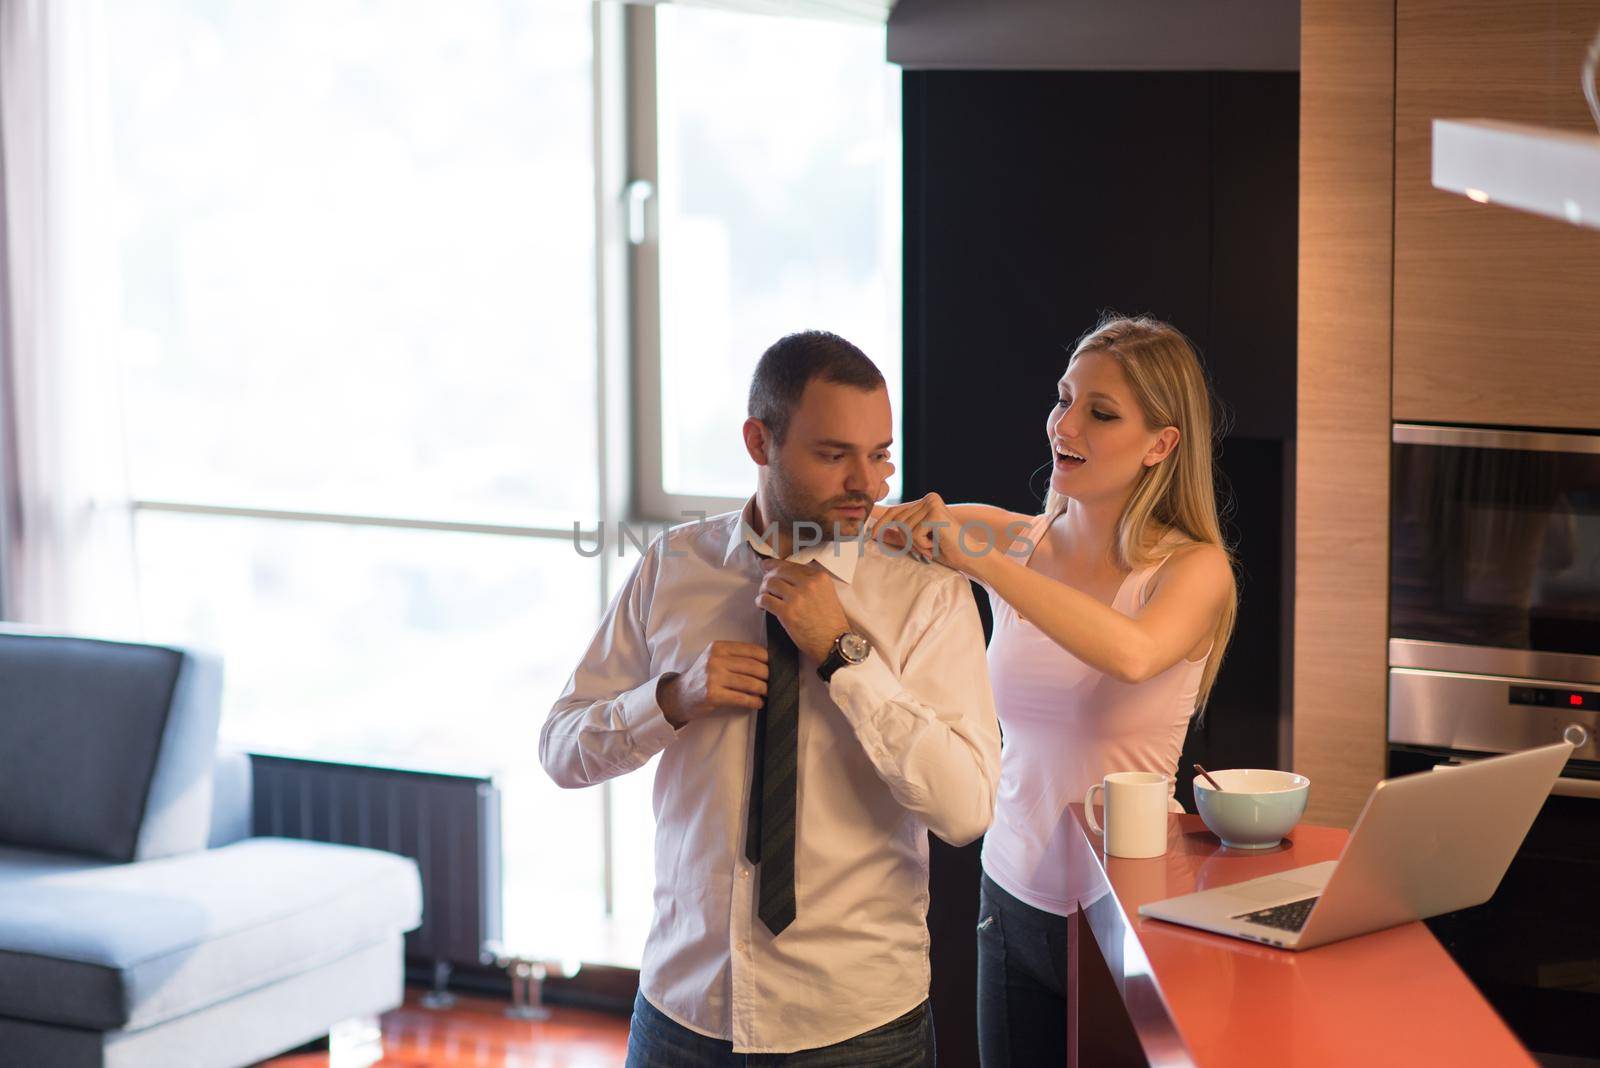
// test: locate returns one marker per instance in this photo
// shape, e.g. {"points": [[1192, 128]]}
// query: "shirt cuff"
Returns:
{"points": [[647, 724], [861, 689]]}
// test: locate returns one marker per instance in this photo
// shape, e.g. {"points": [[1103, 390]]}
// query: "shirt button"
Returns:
{"points": [[744, 873], [740, 947]]}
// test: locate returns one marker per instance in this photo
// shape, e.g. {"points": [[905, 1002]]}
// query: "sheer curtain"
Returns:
{"points": [[65, 528]]}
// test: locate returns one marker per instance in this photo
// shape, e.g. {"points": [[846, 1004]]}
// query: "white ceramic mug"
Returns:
{"points": [[1136, 813]]}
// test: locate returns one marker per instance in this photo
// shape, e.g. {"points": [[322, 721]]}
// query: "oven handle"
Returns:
{"points": [[1477, 438], [1576, 787], [1564, 786]]}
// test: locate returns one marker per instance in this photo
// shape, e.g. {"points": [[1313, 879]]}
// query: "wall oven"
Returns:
{"points": [[1495, 646]]}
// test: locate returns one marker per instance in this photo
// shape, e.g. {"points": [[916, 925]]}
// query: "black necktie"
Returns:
{"points": [[769, 838]]}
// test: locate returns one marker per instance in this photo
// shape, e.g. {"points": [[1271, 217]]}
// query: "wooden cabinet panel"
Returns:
{"points": [[1496, 313], [1342, 463]]}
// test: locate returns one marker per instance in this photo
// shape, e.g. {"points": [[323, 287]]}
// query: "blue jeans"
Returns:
{"points": [[1022, 982], [656, 1041]]}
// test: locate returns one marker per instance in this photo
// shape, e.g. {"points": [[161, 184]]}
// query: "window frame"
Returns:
{"points": [[637, 199], [636, 196]]}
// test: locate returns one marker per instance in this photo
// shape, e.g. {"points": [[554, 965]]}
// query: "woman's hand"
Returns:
{"points": [[928, 528]]}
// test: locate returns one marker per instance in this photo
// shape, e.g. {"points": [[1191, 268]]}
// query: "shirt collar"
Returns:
{"points": [[838, 557]]}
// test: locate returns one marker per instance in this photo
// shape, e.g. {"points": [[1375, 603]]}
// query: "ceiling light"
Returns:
{"points": [[1532, 168], [1538, 169]]}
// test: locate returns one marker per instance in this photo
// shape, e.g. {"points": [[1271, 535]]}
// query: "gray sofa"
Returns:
{"points": [[140, 923]]}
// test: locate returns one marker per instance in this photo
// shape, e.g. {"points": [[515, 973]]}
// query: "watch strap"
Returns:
{"points": [[830, 663]]}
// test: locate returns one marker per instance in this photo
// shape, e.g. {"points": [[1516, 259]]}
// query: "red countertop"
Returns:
{"points": [[1392, 997]]}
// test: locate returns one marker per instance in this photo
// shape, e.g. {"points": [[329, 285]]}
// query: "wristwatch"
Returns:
{"points": [[848, 649]]}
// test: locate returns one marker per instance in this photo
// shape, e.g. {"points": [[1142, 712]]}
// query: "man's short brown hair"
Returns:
{"points": [[791, 362]]}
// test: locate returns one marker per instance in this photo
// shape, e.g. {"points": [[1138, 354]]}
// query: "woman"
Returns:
{"points": [[1112, 609]]}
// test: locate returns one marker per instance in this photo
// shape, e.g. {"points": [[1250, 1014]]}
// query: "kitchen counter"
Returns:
{"points": [[1193, 998]]}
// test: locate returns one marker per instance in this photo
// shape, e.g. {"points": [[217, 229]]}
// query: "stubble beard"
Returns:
{"points": [[791, 506]]}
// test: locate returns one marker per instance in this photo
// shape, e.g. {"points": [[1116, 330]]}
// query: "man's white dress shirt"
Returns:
{"points": [[901, 744]]}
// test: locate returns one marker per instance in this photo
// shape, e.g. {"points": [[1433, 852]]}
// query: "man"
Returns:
{"points": [[818, 707]]}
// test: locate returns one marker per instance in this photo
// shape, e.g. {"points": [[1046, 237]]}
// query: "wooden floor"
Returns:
{"points": [[477, 1032]]}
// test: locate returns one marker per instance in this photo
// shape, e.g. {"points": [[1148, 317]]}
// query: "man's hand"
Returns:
{"points": [[803, 598], [726, 675]]}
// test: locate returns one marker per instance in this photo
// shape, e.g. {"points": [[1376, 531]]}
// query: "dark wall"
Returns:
{"points": [[1033, 201]]}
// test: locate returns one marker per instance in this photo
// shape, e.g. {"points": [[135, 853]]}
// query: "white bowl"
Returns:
{"points": [[1255, 808]]}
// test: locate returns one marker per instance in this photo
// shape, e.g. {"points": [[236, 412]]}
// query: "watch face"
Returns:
{"points": [[854, 647]]}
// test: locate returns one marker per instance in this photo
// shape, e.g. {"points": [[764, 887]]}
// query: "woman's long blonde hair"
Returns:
{"points": [[1179, 493]]}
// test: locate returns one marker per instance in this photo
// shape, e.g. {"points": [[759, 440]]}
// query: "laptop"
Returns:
{"points": [[1425, 844]]}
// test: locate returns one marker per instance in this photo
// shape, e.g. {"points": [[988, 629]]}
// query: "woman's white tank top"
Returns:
{"points": [[1066, 726]]}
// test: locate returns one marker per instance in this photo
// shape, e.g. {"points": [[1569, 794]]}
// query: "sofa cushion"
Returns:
{"points": [[106, 747], [107, 946]]}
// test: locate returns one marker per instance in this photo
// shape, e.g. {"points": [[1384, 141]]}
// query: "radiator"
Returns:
{"points": [[448, 824]]}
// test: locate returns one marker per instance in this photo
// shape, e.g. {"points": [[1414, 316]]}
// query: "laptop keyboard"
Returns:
{"points": [[1288, 917]]}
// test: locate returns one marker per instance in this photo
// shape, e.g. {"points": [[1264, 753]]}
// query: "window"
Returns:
{"points": [[358, 341], [362, 378], [778, 168], [357, 261]]}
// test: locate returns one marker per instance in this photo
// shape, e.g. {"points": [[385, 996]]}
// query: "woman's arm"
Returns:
{"points": [[1191, 591]]}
